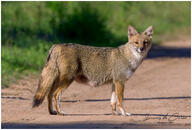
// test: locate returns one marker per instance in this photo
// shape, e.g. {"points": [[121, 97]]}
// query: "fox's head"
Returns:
{"points": [[140, 41]]}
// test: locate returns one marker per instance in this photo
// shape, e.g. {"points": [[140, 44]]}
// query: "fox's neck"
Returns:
{"points": [[135, 54], [130, 52], [133, 57]]}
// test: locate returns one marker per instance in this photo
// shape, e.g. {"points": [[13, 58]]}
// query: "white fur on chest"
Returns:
{"points": [[136, 54], [136, 60]]}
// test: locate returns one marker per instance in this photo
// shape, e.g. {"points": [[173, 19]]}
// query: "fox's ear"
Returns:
{"points": [[149, 31], [131, 31]]}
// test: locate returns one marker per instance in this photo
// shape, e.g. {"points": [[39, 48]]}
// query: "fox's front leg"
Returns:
{"points": [[120, 92]]}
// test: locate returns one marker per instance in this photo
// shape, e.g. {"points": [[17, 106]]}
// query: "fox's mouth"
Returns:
{"points": [[140, 50]]}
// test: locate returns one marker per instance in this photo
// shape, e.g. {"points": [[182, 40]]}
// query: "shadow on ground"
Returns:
{"points": [[89, 125], [172, 52]]}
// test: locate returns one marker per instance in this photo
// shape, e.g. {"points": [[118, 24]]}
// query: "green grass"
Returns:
{"points": [[95, 23], [29, 28], [16, 62]]}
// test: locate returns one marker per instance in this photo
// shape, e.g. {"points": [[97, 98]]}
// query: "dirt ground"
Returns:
{"points": [[158, 95]]}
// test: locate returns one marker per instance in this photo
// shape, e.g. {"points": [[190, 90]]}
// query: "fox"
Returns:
{"points": [[93, 66]]}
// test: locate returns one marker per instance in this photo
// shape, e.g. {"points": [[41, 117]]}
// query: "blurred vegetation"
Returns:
{"points": [[30, 28]]}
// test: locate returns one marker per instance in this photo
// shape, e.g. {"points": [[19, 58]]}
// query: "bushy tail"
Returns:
{"points": [[48, 76]]}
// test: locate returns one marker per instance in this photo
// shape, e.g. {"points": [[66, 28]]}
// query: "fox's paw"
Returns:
{"points": [[115, 113], [53, 112], [125, 114], [128, 114], [61, 113]]}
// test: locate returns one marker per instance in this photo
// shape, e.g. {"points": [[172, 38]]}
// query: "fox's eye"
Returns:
{"points": [[136, 43], [145, 43]]}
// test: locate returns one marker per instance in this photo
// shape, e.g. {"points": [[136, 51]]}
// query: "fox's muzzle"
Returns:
{"points": [[140, 49]]}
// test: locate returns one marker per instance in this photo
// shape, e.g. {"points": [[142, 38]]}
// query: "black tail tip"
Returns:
{"points": [[36, 102]]}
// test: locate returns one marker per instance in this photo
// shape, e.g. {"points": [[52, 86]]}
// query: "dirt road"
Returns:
{"points": [[157, 95]]}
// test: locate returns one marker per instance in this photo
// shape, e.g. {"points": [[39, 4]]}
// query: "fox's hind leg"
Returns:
{"points": [[113, 100], [50, 100], [57, 97], [58, 94]]}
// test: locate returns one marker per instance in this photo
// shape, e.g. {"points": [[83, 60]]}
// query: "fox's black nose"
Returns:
{"points": [[142, 49]]}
